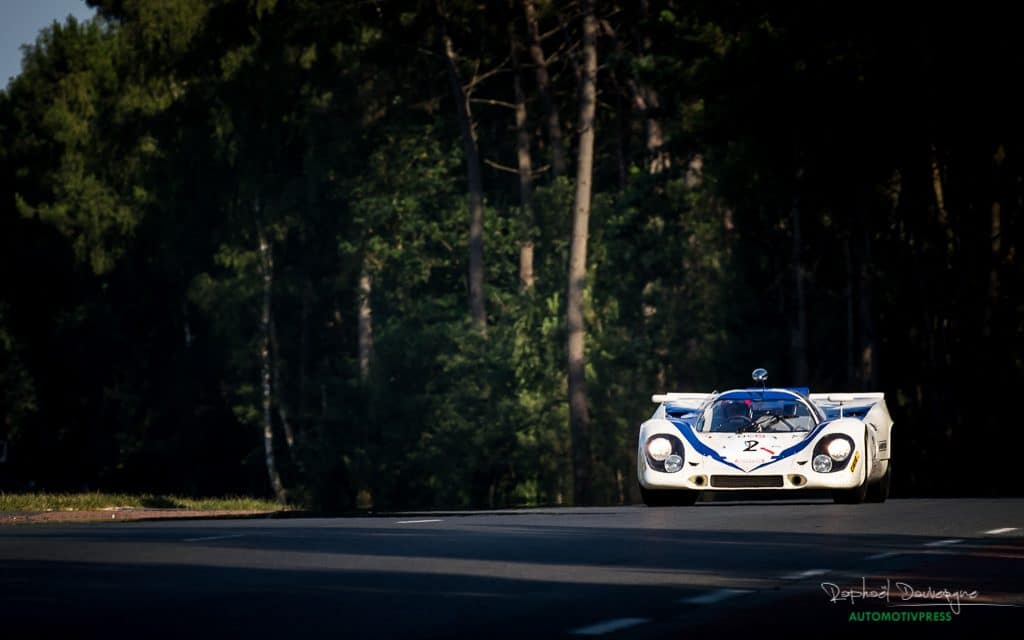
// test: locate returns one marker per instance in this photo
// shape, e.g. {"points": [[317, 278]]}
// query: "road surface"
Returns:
{"points": [[724, 568]]}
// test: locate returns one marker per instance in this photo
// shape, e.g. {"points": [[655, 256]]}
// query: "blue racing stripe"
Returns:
{"points": [[796, 448], [686, 429]]}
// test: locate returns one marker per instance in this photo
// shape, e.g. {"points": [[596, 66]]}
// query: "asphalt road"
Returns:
{"points": [[725, 569]]}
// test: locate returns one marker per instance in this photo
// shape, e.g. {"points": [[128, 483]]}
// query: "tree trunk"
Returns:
{"points": [[799, 329], [868, 350], [657, 159], [940, 199], [184, 320], [645, 100], [995, 258], [995, 240], [278, 393], [305, 312], [526, 275], [554, 126], [869, 356], [621, 139], [525, 167], [473, 175], [267, 273], [579, 418], [935, 322], [851, 369], [365, 326], [577, 70]]}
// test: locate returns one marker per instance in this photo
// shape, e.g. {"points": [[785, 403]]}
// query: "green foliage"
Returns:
{"points": [[69, 99], [40, 502], [17, 388], [145, 154]]}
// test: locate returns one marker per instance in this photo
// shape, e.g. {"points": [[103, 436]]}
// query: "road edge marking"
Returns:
{"points": [[205, 538], [714, 596], [810, 573], [608, 626]]}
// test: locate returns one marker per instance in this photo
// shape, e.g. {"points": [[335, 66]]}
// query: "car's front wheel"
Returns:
{"points": [[878, 491], [850, 496], [668, 497]]}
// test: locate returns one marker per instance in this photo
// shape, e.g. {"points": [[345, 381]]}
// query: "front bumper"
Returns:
{"points": [[699, 473]]}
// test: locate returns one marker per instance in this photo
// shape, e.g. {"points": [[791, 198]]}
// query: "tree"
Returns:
{"points": [[156, 334], [477, 300], [540, 64], [524, 165], [579, 411]]}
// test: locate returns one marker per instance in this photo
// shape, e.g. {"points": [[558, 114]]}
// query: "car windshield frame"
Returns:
{"points": [[757, 411]]}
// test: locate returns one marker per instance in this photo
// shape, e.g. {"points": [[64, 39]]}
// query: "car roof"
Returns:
{"points": [[766, 394]]}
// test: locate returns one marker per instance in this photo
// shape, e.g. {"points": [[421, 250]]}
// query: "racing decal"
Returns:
{"points": [[686, 429], [853, 463], [797, 448], [751, 445]]}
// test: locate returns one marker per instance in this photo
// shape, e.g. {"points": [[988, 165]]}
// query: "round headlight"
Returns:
{"points": [[822, 463], [839, 449], [673, 463], [659, 448]]}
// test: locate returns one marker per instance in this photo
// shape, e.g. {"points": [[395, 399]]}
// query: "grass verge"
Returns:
{"points": [[42, 502]]}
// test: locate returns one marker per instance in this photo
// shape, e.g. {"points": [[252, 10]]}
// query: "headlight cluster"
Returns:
{"points": [[832, 453], [664, 453]]}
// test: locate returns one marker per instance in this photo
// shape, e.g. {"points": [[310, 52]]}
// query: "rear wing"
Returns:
{"points": [[837, 405], [688, 400]]}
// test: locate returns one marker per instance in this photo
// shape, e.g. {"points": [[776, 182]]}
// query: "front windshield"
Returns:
{"points": [[743, 415]]}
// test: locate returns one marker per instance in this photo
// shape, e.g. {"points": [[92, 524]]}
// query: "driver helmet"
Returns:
{"points": [[731, 409], [738, 408]]}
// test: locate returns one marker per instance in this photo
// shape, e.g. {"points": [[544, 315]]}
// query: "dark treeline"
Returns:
{"points": [[441, 253]]}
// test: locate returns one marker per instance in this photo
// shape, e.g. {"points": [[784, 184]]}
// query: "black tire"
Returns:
{"points": [[878, 491], [668, 497], [850, 496]]}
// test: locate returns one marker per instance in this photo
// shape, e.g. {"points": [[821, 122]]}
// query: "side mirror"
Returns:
{"points": [[760, 375]]}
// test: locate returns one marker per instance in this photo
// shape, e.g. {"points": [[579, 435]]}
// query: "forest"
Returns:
{"points": [[374, 254]]}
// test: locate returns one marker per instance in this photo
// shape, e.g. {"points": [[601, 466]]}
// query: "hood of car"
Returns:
{"points": [[750, 450]]}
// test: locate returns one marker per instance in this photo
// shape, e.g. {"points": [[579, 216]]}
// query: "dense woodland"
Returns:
{"points": [[384, 253]]}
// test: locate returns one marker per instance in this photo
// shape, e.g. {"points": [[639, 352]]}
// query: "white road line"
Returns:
{"points": [[608, 626], [236, 535], [883, 555], [415, 521], [714, 596], [996, 532], [943, 543], [810, 573]]}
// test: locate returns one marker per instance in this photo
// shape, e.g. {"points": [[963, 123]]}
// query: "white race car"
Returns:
{"points": [[764, 438]]}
